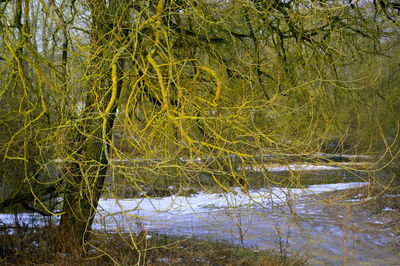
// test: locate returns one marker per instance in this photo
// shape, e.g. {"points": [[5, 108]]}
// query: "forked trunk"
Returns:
{"points": [[85, 175]]}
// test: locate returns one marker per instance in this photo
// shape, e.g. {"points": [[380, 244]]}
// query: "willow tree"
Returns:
{"points": [[177, 81], [90, 151]]}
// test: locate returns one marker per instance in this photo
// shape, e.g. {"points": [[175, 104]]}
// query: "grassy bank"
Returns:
{"points": [[23, 245]]}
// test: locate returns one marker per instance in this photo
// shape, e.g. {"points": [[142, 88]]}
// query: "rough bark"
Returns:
{"points": [[86, 174]]}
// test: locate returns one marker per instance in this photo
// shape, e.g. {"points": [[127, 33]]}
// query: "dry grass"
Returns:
{"points": [[34, 246]]}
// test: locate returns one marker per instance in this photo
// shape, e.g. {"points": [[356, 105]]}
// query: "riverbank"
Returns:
{"points": [[380, 205], [327, 223], [31, 246]]}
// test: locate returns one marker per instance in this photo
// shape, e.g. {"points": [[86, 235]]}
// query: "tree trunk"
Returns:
{"points": [[86, 174]]}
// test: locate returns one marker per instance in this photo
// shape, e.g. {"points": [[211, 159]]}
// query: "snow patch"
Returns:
{"points": [[290, 167], [134, 214], [115, 214]]}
